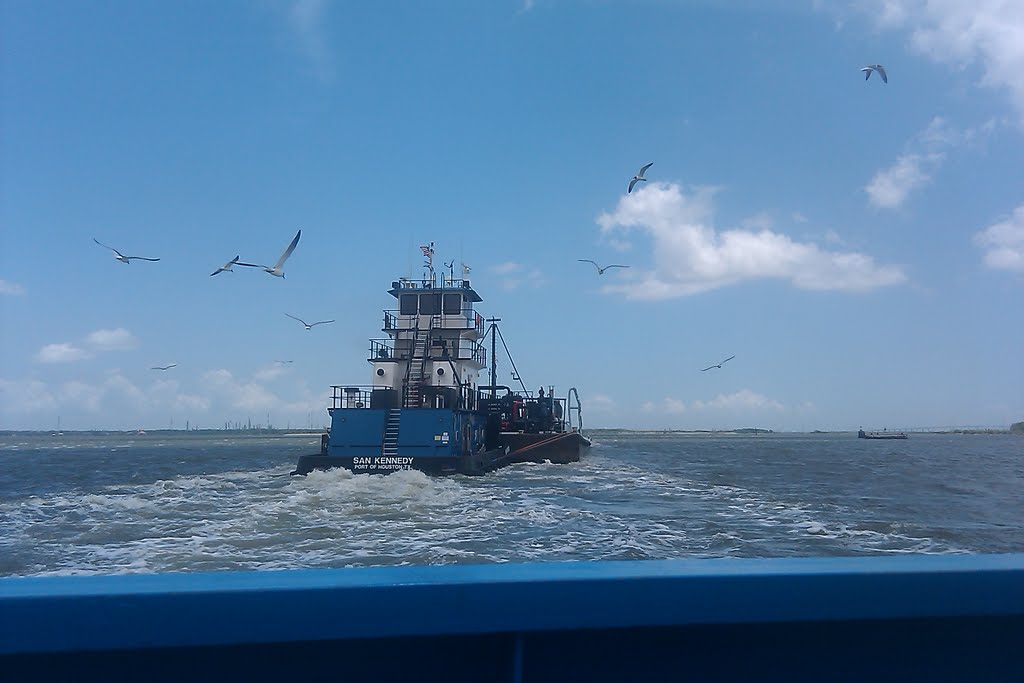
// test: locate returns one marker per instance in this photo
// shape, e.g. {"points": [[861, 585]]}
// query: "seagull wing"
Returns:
{"points": [[322, 322], [631, 184], [250, 265], [108, 247], [615, 265], [586, 260], [226, 266], [288, 251], [644, 168], [867, 72], [708, 368], [299, 319], [727, 360], [881, 72], [141, 258]]}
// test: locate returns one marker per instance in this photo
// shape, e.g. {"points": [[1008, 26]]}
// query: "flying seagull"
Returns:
{"points": [[719, 366], [121, 257], [165, 367], [875, 67], [638, 177], [309, 326], [600, 270], [277, 270], [226, 267]]}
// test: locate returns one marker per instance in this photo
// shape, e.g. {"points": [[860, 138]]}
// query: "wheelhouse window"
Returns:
{"points": [[452, 303], [407, 304], [430, 304]]}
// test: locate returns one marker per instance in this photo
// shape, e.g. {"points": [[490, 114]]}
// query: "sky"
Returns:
{"points": [[858, 246]]}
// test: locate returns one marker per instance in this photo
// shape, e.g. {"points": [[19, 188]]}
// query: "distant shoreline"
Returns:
{"points": [[176, 432], [766, 432]]}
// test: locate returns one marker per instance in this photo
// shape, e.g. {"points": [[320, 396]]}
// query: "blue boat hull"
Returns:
{"points": [[473, 463]]}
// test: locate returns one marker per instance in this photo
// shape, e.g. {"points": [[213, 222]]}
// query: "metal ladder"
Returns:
{"points": [[389, 446], [415, 377]]}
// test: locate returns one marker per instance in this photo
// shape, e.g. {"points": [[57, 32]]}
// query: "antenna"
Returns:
{"points": [[428, 253]]}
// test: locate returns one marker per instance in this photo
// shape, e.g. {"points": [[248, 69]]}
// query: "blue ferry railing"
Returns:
{"points": [[907, 618]]}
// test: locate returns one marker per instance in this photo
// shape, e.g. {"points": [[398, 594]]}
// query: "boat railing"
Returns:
{"points": [[431, 283], [478, 353], [463, 321], [350, 396], [384, 349], [454, 282], [381, 349], [459, 321], [577, 408]]}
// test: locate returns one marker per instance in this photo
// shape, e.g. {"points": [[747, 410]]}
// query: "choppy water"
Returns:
{"points": [[121, 503]]}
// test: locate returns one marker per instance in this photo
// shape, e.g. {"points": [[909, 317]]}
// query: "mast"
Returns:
{"points": [[494, 356], [428, 253]]}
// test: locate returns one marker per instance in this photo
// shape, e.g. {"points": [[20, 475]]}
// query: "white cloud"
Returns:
{"points": [[600, 403], [744, 398], [270, 372], [26, 397], [191, 403], [61, 353], [958, 33], [674, 406], [254, 397], [115, 402], [1004, 242], [118, 339], [305, 19], [515, 275], [833, 237], [86, 396], [619, 245], [507, 268], [691, 256], [891, 186], [926, 151], [12, 288]]}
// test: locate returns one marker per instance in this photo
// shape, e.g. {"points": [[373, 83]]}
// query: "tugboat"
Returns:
{"points": [[426, 409]]}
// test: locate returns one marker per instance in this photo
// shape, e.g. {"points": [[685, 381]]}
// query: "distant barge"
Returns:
{"points": [[884, 434]]}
